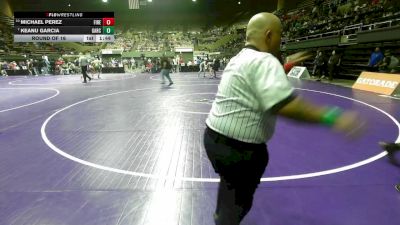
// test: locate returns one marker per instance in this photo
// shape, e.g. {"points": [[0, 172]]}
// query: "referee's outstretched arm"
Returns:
{"points": [[347, 122]]}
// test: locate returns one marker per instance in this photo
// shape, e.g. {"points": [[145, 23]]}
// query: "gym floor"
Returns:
{"points": [[127, 150]]}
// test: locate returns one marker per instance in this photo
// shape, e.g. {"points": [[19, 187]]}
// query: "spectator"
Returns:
{"points": [[46, 64], [389, 63], [12, 65], [375, 59], [132, 63], [333, 64], [202, 68], [375, 2], [29, 64], [4, 68], [165, 69], [215, 67], [36, 67], [319, 64]]}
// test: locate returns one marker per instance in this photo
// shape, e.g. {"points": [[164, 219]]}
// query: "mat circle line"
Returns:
{"points": [[211, 180], [32, 103], [12, 83]]}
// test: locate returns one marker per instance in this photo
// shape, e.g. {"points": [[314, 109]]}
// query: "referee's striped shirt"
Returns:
{"points": [[253, 85]]}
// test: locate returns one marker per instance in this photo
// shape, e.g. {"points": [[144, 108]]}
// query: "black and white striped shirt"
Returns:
{"points": [[253, 85], [83, 61]]}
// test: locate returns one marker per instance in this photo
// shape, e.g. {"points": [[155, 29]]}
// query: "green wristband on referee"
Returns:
{"points": [[330, 116]]}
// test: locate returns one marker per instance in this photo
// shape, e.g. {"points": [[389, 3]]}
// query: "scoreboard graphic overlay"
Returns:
{"points": [[64, 27]]}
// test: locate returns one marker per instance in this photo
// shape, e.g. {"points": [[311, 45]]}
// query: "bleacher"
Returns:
{"points": [[229, 40], [354, 58], [305, 4], [355, 53]]}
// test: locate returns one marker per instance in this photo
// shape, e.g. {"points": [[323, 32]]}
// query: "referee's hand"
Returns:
{"points": [[350, 124], [298, 57]]}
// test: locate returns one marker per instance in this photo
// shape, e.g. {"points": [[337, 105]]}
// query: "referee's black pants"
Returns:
{"points": [[84, 73], [240, 166]]}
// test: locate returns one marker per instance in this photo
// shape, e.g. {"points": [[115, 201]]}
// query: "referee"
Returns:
{"points": [[253, 91], [84, 63]]}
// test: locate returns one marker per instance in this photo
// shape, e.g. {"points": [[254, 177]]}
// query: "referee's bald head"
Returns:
{"points": [[264, 31]]}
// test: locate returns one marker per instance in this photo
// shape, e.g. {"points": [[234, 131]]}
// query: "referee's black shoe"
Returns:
{"points": [[397, 187]]}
